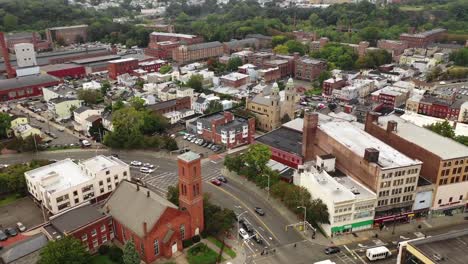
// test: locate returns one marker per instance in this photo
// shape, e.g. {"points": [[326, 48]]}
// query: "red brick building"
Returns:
{"points": [[86, 223], [24, 87], [331, 84], [65, 70], [121, 66], [161, 44], [396, 48], [152, 65], [309, 69], [270, 74], [440, 108], [225, 128], [196, 52], [156, 226], [68, 35], [234, 79], [171, 105], [421, 40], [162, 50], [27, 37]]}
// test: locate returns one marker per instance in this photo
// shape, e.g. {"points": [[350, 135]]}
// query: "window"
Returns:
{"points": [[93, 232], [182, 231], [108, 180], [84, 237], [156, 247], [125, 173], [440, 201], [107, 172], [461, 197], [104, 238], [103, 228], [75, 193], [77, 200], [116, 177], [450, 199], [95, 243], [101, 183]]}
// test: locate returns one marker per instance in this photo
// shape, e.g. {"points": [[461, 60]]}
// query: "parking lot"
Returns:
{"points": [[203, 147], [23, 210]]}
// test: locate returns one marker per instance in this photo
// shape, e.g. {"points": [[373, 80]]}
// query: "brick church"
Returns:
{"points": [[157, 226]]}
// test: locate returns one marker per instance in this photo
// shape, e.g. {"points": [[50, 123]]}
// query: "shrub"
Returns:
{"points": [[187, 243], [196, 239], [204, 234], [103, 250], [197, 249], [115, 254]]}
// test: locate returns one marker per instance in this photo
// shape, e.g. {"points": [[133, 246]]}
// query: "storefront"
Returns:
{"points": [[404, 217], [354, 227]]}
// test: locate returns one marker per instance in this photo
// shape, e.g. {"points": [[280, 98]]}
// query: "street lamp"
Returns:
{"points": [[238, 220], [305, 216], [268, 175]]}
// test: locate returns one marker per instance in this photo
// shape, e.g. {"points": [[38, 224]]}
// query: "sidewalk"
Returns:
{"points": [[404, 230]]}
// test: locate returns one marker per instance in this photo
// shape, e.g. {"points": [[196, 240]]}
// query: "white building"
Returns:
{"points": [[203, 101], [175, 116], [350, 205], [65, 184], [92, 85], [26, 59], [82, 118]]}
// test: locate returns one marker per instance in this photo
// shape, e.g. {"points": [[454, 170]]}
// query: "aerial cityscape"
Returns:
{"points": [[231, 131]]}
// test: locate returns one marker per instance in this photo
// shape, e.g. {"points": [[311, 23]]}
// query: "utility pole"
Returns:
{"points": [[267, 175]]}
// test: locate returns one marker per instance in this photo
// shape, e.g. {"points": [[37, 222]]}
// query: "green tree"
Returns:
{"points": [[213, 107], [234, 63], [173, 194], [90, 96], [138, 103], [196, 82], [462, 139], [5, 124], [153, 123], [278, 40], [460, 57], [233, 163], [323, 77], [317, 212], [117, 105], [256, 157], [130, 255], [165, 69], [65, 250], [127, 123], [105, 86], [217, 220], [10, 22], [442, 128], [281, 49], [140, 83], [296, 46], [370, 34]]}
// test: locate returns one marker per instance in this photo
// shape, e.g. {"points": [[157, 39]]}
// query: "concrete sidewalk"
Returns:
{"points": [[401, 229]]}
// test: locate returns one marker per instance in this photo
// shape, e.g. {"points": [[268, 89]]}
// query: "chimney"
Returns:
{"points": [[392, 126], [308, 135], [138, 187], [147, 193], [145, 228], [371, 118], [371, 155]]}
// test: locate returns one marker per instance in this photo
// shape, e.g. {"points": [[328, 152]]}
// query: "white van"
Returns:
{"points": [[325, 262], [378, 253]]}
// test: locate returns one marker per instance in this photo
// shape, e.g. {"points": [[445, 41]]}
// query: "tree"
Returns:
{"points": [[5, 124], [90, 96], [173, 194], [117, 105], [370, 34], [460, 57], [217, 220], [256, 157], [127, 123], [140, 83], [317, 212], [65, 250], [234, 63], [296, 46], [165, 69], [278, 40], [138, 103], [213, 107], [233, 163], [105, 86], [96, 131], [323, 76], [10, 22], [442, 128], [153, 123], [196, 82], [130, 255], [281, 49]]}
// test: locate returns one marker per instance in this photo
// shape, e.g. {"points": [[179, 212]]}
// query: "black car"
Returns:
{"points": [[3, 236], [257, 239], [332, 250], [115, 155], [259, 211], [222, 179], [11, 232], [248, 227]]}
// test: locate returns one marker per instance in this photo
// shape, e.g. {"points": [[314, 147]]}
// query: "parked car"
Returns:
{"points": [[145, 170], [248, 227], [222, 179], [136, 163], [259, 211], [85, 143], [332, 250], [209, 145], [243, 234], [20, 227], [186, 136], [61, 129], [11, 232], [205, 144], [216, 182], [115, 155], [3, 236], [257, 239], [193, 140]]}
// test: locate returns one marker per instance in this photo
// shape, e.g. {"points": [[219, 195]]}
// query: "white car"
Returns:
{"points": [[186, 136], [243, 233], [85, 143], [136, 163], [146, 170], [20, 227]]}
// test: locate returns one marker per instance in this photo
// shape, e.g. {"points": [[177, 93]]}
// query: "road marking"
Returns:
{"points": [[360, 258], [250, 210], [350, 251]]}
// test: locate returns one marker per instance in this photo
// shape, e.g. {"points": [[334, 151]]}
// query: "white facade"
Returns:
{"points": [[450, 195], [81, 124], [350, 205], [175, 116], [25, 55], [65, 184], [92, 85]]}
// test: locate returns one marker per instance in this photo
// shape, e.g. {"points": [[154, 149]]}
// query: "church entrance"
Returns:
{"points": [[174, 247]]}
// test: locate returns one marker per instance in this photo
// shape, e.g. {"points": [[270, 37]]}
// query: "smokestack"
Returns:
{"points": [[34, 40], [6, 56], [308, 135], [391, 126], [371, 118]]}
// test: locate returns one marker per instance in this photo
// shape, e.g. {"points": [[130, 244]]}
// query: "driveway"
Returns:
{"points": [[23, 210]]}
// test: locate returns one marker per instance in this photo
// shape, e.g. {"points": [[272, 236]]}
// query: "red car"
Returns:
{"points": [[216, 182]]}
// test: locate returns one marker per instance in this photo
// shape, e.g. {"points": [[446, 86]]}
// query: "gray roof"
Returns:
{"points": [[93, 118], [30, 80], [132, 208], [260, 99], [81, 109], [189, 156], [241, 43], [441, 146], [205, 45], [24, 248], [163, 105], [76, 218], [284, 139], [200, 100]]}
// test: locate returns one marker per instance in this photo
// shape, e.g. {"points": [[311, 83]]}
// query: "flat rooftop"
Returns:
{"points": [[97, 59], [68, 27], [31, 80], [450, 246], [122, 60], [101, 162], [175, 35], [284, 139], [66, 173], [357, 140], [441, 146]]}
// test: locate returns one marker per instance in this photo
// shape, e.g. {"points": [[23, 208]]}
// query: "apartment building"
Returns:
{"points": [[423, 39], [67, 35], [384, 170], [350, 204], [309, 69], [196, 52], [65, 184], [445, 161]]}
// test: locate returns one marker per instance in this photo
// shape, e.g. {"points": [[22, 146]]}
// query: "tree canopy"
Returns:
{"points": [[446, 130], [90, 96], [130, 255], [337, 55], [65, 250], [196, 82], [5, 124]]}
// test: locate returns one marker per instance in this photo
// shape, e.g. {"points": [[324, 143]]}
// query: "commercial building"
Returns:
{"points": [[350, 204], [445, 161], [67, 35], [27, 37], [26, 86], [239, 45], [196, 52], [86, 223], [156, 226], [394, 47], [270, 110], [121, 66], [391, 96], [226, 128], [177, 104], [234, 79], [423, 39], [441, 108], [381, 168], [448, 248], [309, 69], [269, 74], [65, 70], [65, 184], [185, 39]]}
